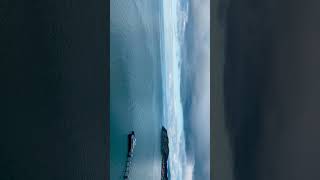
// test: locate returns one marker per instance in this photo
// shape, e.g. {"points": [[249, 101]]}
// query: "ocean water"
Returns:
{"points": [[146, 37], [135, 87]]}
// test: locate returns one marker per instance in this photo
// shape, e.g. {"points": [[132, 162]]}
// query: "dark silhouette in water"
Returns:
{"points": [[131, 145], [164, 153]]}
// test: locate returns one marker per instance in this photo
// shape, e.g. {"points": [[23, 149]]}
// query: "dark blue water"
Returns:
{"points": [[135, 87]]}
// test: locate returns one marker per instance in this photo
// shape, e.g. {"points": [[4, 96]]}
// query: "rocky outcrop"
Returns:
{"points": [[164, 154]]}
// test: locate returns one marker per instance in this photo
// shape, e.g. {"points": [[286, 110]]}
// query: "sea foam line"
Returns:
{"points": [[173, 24]]}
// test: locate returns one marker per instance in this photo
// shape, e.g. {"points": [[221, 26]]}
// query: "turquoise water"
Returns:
{"points": [[146, 45], [135, 87]]}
